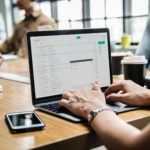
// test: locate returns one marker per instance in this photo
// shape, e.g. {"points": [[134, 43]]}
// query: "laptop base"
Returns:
{"points": [[67, 115]]}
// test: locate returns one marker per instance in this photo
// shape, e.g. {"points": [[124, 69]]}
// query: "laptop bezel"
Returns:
{"points": [[60, 32]]}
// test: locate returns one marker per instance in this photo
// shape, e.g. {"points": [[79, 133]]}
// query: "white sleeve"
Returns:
{"points": [[2, 29], [144, 45]]}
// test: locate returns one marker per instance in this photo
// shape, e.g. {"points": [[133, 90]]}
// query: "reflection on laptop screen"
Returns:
{"points": [[72, 61]]}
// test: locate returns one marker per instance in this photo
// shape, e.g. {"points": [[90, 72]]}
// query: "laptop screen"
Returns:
{"points": [[69, 61]]}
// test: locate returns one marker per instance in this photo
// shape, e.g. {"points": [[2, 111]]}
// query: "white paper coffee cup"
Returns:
{"points": [[134, 68], [134, 60]]}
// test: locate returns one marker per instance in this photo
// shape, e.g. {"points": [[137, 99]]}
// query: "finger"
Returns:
{"points": [[76, 95], [70, 106], [118, 98], [73, 107], [129, 53], [114, 88], [97, 82], [73, 91], [64, 103], [79, 98], [96, 86], [67, 95], [84, 91]]}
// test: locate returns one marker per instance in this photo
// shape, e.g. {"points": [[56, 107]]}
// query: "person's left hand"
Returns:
{"points": [[83, 101], [1, 59]]}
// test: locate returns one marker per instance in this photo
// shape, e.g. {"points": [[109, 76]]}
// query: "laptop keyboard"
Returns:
{"points": [[55, 107]]}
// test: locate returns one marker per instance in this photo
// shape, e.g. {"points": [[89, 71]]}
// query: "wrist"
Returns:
{"points": [[105, 117], [88, 107], [94, 112]]}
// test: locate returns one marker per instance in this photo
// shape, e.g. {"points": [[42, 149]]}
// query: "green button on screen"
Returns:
{"points": [[78, 37], [101, 42]]}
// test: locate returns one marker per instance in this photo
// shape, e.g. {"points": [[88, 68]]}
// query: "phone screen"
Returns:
{"points": [[24, 119]]}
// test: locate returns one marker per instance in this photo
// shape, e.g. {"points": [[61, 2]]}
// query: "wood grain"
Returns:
{"points": [[58, 133]]}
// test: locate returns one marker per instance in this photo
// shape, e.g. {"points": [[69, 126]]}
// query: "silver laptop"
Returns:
{"points": [[68, 59]]}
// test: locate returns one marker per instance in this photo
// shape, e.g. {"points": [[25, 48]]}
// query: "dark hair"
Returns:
{"points": [[36, 0]]}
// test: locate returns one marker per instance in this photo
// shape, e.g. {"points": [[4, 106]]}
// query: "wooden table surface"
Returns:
{"points": [[58, 133]]}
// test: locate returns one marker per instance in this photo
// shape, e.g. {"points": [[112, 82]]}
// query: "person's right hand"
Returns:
{"points": [[81, 102], [128, 93]]}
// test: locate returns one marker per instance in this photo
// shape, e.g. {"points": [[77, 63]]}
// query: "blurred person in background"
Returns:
{"points": [[34, 19], [144, 45]]}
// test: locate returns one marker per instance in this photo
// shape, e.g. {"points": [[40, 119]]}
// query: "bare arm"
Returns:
{"points": [[117, 134], [11, 43], [114, 132], [7, 46]]}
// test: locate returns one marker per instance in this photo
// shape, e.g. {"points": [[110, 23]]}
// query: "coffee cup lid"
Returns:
{"points": [[134, 60], [117, 54]]}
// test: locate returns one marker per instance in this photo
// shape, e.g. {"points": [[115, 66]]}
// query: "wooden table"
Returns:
{"points": [[58, 134]]}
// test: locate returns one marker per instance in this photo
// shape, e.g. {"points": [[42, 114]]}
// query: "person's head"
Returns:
{"points": [[24, 4]]}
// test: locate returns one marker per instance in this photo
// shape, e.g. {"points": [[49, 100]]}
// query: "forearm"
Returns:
{"points": [[7, 46], [143, 140], [146, 98], [114, 133], [3, 48]]}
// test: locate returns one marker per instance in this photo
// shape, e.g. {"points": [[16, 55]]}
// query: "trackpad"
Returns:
{"points": [[120, 107]]}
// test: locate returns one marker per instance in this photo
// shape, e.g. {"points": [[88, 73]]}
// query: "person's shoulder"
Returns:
{"points": [[45, 20], [39, 14], [43, 16]]}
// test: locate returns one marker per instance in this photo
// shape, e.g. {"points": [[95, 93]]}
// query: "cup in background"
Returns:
{"points": [[134, 68], [116, 58]]}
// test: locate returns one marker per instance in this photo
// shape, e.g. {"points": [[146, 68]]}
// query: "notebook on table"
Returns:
{"points": [[68, 59]]}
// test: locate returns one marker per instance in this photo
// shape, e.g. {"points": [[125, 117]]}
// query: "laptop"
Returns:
{"points": [[68, 59]]}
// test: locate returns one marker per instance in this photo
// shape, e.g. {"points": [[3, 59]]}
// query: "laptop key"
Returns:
{"points": [[55, 107], [52, 107]]}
